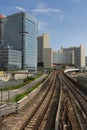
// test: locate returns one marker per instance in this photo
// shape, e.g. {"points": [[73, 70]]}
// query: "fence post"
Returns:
{"points": [[8, 96], [1, 95]]}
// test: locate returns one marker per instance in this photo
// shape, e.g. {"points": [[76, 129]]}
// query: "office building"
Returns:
{"points": [[42, 42], [10, 59], [79, 55], [60, 57], [21, 34], [48, 57]]}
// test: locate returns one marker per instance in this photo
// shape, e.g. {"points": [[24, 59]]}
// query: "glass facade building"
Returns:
{"points": [[21, 34], [9, 59]]}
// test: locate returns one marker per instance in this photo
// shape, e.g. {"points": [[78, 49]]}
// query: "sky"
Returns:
{"points": [[64, 20]]}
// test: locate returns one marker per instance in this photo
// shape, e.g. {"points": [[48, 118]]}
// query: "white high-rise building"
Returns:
{"points": [[79, 55], [60, 57]]}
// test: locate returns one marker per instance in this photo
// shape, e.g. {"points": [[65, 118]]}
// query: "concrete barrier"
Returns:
{"points": [[7, 109]]}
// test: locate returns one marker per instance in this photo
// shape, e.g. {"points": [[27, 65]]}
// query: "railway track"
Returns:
{"points": [[78, 100], [41, 115], [37, 119]]}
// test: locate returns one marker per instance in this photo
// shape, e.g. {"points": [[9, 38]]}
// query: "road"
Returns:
{"points": [[6, 95], [11, 83]]}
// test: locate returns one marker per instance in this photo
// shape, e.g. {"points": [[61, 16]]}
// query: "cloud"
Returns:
{"points": [[43, 9], [46, 10], [20, 8]]}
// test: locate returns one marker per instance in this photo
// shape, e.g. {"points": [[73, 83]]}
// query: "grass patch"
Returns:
{"points": [[22, 95], [25, 82], [15, 87]]}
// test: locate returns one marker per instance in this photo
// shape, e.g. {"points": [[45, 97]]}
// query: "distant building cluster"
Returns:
{"points": [[71, 55], [22, 48], [47, 57]]}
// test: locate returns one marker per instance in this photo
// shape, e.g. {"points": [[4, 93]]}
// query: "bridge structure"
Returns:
{"points": [[72, 70]]}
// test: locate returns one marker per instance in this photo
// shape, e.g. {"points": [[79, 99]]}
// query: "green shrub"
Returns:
{"points": [[28, 78], [19, 96]]}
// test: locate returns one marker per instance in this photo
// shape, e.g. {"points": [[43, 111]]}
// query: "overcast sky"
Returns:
{"points": [[64, 20]]}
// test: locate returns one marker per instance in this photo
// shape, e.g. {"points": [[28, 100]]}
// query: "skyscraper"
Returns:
{"points": [[21, 34], [42, 43]]}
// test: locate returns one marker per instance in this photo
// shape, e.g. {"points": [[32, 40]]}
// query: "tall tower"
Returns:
{"points": [[2, 23], [43, 42], [21, 34], [46, 40]]}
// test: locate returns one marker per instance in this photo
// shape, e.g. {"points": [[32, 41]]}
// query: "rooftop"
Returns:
{"points": [[2, 16]]}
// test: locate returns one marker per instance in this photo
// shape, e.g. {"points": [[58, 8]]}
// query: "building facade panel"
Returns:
{"points": [[48, 57]]}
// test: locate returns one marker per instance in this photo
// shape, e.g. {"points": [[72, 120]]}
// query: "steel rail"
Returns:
{"points": [[79, 99], [36, 117]]}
